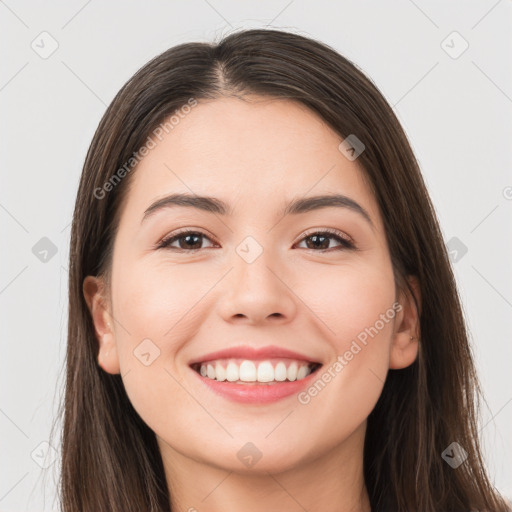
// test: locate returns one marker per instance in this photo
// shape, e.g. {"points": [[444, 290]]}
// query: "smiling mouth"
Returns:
{"points": [[250, 372]]}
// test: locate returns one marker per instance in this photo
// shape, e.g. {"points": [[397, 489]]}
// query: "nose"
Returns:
{"points": [[258, 292]]}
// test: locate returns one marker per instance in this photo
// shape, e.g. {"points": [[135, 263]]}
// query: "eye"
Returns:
{"points": [[321, 240], [188, 241]]}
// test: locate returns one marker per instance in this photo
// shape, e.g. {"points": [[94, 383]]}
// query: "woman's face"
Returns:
{"points": [[252, 277]]}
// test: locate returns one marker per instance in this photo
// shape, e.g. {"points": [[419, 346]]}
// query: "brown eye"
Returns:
{"points": [[191, 241], [321, 241], [187, 241]]}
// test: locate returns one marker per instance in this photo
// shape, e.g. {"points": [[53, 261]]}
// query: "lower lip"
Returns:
{"points": [[257, 393]]}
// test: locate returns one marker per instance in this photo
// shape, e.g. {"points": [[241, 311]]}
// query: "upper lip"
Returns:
{"points": [[252, 353]]}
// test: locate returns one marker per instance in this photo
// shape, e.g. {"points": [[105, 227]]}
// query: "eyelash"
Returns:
{"points": [[332, 233]]}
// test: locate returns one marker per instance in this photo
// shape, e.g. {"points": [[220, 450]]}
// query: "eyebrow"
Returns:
{"points": [[295, 207]]}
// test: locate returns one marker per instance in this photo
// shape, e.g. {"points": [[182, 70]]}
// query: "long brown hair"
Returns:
{"points": [[110, 458]]}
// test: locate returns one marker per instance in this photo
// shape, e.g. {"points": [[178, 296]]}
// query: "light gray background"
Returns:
{"points": [[456, 112]]}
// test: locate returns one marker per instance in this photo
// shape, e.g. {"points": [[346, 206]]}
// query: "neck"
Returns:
{"points": [[332, 481]]}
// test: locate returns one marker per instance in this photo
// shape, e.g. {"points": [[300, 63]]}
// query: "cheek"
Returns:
{"points": [[352, 300], [157, 311], [150, 378], [157, 303], [357, 307]]}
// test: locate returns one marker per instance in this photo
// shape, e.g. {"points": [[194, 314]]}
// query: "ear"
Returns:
{"points": [[404, 350], [96, 296]]}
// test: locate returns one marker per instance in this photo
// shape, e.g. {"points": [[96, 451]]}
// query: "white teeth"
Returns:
{"points": [[303, 371], [220, 373], [250, 371], [280, 372], [265, 372], [231, 372], [292, 371]]}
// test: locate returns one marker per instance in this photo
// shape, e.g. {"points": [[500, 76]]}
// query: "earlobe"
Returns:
{"points": [[95, 295], [403, 351], [405, 344], [108, 358]]}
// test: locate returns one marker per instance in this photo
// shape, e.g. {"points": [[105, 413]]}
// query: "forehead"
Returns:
{"points": [[250, 153]]}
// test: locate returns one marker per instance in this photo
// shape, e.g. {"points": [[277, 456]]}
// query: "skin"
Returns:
{"points": [[255, 155]]}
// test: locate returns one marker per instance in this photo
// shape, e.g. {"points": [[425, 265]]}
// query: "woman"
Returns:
{"points": [[262, 312]]}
